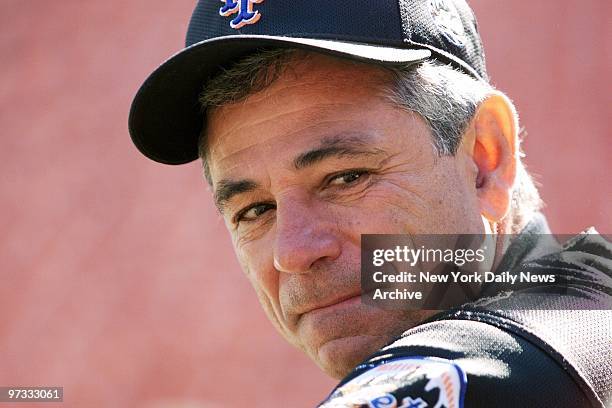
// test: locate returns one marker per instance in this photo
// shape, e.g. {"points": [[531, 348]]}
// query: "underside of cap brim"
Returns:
{"points": [[166, 118]]}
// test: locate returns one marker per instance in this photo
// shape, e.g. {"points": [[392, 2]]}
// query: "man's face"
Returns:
{"points": [[300, 170]]}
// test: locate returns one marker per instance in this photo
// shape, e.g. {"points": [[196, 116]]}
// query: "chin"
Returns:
{"points": [[338, 339], [339, 356]]}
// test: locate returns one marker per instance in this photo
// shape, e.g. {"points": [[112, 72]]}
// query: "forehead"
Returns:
{"points": [[313, 95]]}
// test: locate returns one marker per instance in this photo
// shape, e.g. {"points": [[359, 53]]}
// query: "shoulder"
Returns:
{"points": [[535, 347], [459, 363]]}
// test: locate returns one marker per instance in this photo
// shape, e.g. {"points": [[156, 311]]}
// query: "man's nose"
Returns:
{"points": [[305, 235]]}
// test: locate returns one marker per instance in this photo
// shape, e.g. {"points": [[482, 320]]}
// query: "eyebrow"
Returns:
{"points": [[227, 189], [340, 145]]}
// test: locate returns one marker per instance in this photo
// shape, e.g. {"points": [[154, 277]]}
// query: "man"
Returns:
{"points": [[318, 122]]}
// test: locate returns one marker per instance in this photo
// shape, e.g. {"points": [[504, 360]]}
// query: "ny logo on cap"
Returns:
{"points": [[244, 8]]}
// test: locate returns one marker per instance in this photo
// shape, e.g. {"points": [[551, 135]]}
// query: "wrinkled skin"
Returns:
{"points": [[296, 224]]}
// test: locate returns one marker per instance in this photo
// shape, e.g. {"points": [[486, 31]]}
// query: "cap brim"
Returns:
{"points": [[166, 118]]}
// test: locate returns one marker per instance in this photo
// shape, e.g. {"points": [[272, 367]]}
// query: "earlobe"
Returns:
{"points": [[495, 155]]}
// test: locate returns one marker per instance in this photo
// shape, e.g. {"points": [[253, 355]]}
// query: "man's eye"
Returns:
{"points": [[253, 212], [347, 177]]}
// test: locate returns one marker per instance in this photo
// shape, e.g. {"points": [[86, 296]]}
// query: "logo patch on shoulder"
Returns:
{"points": [[411, 382], [244, 9]]}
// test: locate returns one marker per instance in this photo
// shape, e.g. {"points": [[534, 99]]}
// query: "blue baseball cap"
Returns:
{"points": [[166, 118]]}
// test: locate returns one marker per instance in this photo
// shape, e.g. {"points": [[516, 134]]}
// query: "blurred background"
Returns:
{"points": [[118, 280]]}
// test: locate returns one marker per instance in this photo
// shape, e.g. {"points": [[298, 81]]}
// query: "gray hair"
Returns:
{"points": [[445, 98]]}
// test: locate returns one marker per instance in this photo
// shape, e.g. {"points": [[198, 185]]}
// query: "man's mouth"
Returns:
{"points": [[337, 307], [337, 304]]}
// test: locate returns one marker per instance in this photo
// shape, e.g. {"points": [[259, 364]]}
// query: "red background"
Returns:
{"points": [[118, 278]]}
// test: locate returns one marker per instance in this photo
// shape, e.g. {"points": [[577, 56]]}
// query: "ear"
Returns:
{"points": [[495, 154]]}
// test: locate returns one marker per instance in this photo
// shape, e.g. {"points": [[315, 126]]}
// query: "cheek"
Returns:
{"points": [[257, 264], [393, 205], [453, 203], [440, 201], [256, 260]]}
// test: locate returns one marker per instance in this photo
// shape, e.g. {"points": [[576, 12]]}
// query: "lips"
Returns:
{"points": [[319, 293], [336, 304]]}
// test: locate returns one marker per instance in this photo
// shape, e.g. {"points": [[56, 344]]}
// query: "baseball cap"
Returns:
{"points": [[166, 118]]}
